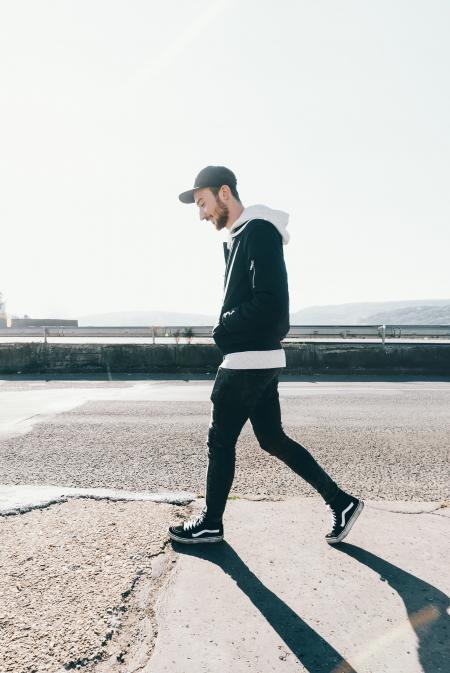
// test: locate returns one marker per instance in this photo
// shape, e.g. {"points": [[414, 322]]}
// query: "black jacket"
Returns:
{"points": [[255, 311]]}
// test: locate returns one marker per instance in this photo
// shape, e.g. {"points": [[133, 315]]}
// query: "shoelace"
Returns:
{"points": [[194, 521], [333, 514]]}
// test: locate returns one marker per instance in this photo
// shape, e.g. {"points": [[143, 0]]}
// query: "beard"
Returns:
{"points": [[222, 215]]}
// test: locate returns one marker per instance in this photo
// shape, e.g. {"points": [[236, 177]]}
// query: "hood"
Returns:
{"points": [[278, 218]]}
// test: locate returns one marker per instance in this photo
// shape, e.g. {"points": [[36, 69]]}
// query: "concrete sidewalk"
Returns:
{"points": [[275, 597]]}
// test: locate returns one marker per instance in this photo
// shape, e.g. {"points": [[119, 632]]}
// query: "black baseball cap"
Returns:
{"points": [[211, 176]]}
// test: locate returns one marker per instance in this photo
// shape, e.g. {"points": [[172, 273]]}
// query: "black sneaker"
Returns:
{"points": [[197, 529], [345, 509]]}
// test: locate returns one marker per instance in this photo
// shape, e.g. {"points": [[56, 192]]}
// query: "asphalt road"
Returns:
{"points": [[379, 439]]}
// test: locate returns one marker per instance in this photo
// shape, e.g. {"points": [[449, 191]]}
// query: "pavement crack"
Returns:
{"points": [[258, 498], [437, 512], [152, 609], [149, 640], [408, 513], [158, 499], [23, 509], [119, 640], [116, 615]]}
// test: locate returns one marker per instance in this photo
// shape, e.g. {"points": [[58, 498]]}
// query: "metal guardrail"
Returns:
{"points": [[295, 332]]}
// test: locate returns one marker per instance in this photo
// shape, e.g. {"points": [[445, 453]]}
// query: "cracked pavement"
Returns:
{"points": [[68, 571], [94, 472]]}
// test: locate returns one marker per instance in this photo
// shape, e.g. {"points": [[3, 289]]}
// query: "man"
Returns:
{"points": [[253, 320]]}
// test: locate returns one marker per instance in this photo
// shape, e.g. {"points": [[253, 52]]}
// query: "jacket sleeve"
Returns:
{"points": [[268, 280]]}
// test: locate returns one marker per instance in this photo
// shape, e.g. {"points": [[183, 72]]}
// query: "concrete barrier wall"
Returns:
{"points": [[306, 358], [26, 323]]}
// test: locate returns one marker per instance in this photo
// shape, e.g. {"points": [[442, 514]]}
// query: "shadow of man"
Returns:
{"points": [[315, 653], [426, 607]]}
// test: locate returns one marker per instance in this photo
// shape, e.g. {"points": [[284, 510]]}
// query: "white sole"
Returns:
{"points": [[351, 521], [200, 540]]}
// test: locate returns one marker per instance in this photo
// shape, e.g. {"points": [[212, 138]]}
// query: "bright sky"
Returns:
{"points": [[337, 111]]}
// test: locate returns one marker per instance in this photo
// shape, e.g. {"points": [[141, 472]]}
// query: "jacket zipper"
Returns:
{"points": [[230, 267], [252, 268]]}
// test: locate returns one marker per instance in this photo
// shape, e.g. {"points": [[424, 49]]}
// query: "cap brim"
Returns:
{"points": [[187, 197]]}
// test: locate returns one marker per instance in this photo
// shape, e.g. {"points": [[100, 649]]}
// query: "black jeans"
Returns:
{"points": [[239, 395]]}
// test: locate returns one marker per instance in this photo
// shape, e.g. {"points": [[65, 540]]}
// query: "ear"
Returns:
{"points": [[225, 193]]}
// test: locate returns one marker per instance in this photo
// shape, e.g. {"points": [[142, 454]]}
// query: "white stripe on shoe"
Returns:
{"points": [[205, 531], [347, 509]]}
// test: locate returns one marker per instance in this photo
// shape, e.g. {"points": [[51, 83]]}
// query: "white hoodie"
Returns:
{"points": [[278, 218]]}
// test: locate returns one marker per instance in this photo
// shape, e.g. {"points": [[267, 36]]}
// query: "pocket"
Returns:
{"points": [[229, 387], [241, 387], [218, 381]]}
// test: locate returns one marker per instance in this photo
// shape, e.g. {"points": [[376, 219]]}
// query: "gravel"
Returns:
{"points": [[389, 445], [68, 574]]}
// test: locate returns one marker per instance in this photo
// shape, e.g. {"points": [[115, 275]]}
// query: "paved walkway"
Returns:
{"points": [[275, 597], [380, 439]]}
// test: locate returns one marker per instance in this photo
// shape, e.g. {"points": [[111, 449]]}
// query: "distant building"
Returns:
{"points": [[18, 323]]}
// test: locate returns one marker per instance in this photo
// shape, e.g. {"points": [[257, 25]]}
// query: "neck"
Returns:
{"points": [[235, 212]]}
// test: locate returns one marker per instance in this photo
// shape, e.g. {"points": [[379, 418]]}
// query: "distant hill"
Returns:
{"points": [[145, 318], [416, 315], [413, 312], [420, 311]]}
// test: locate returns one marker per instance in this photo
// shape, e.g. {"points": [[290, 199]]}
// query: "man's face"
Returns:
{"points": [[211, 208]]}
